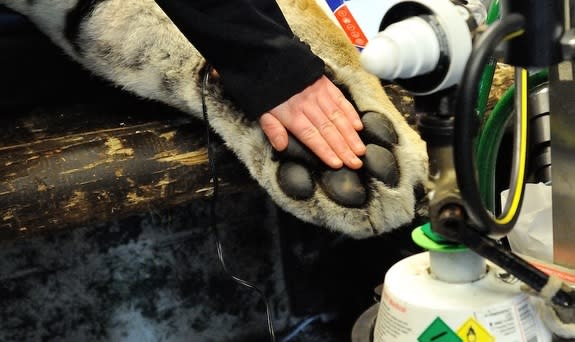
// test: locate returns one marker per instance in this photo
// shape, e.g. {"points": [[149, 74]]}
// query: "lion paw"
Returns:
{"points": [[300, 171]]}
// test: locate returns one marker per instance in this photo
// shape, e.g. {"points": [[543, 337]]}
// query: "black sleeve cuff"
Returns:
{"points": [[272, 77]]}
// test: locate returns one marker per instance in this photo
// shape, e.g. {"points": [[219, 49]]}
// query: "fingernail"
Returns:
{"points": [[336, 163], [358, 125], [359, 148], [356, 162], [274, 143], [278, 143]]}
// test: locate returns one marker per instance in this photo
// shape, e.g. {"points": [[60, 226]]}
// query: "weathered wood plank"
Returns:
{"points": [[73, 166]]}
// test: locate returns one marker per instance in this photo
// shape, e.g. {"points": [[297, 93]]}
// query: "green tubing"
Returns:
{"points": [[491, 135], [485, 87], [493, 12], [488, 146], [489, 70]]}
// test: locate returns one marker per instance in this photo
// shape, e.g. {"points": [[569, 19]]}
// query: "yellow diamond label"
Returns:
{"points": [[472, 331]]}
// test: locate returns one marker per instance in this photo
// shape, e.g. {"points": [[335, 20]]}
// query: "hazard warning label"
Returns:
{"points": [[348, 23], [438, 331], [472, 331]]}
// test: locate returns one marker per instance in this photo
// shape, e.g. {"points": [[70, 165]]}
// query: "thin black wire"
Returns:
{"points": [[213, 202]]}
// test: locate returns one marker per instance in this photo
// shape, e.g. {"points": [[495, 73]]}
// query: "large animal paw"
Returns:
{"points": [[300, 171], [360, 203], [375, 199]]}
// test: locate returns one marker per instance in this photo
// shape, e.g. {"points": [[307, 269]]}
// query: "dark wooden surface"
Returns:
{"points": [[73, 165]]}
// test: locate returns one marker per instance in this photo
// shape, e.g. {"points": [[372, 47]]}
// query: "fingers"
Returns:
{"points": [[339, 135], [341, 121], [274, 131], [300, 126], [317, 140], [339, 100], [323, 120]]}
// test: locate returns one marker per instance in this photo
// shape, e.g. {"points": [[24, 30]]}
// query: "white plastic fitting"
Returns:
{"points": [[457, 267], [411, 51], [404, 49]]}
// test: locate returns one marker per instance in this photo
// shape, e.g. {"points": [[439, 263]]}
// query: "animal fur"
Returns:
{"points": [[134, 44]]}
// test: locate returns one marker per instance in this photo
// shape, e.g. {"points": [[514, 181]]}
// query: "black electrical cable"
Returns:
{"points": [[465, 129], [213, 202], [464, 133]]}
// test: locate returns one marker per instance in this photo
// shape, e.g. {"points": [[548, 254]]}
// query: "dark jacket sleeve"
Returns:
{"points": [[260, 61]]}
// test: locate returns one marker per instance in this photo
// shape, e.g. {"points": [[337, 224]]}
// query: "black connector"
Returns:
{"points": [[539, 45]]}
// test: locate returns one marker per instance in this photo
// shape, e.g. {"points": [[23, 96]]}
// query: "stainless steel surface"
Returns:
{"points": [[562, 106], [539, 134], [568, 44], [363, 328]]}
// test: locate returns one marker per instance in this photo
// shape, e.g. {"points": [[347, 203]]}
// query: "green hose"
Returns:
{"points": [[489, 70], [491, 135], [493, 12]]}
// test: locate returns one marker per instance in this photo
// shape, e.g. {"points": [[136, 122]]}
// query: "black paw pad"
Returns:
{"points": [[300, 169], [381, 163], [295, 180], [298, 151], [378, 129], [344, 187]]}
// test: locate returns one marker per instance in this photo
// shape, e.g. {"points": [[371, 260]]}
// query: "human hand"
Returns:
{"points": [[322, 119]]}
